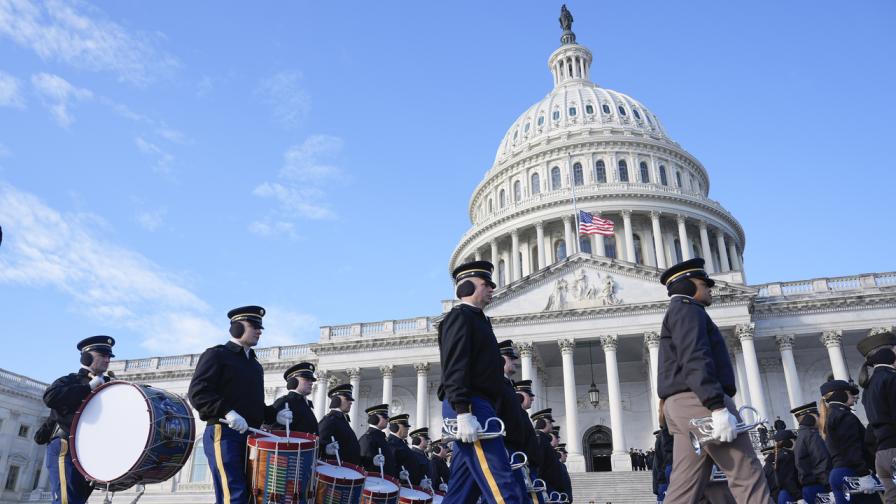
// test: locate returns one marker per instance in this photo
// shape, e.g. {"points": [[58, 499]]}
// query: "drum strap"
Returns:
{"points": [[483, 463], [219, 461], [63, 484]]}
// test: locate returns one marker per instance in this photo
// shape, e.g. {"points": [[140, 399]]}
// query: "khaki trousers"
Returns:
{"points": [[691, 472], [883, 462]]}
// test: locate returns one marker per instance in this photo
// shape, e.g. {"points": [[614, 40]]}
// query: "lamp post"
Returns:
{"points": [[593, 391]]}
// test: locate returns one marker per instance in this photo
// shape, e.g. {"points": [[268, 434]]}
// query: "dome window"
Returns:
{"points": [[637, 114], [605, 108], [577, 176], [621, 110], [645, 173], [623, 171], [515, 133], [600, 172], [678, 178], [491, 207], [663, 179], [555, 178], [541, 120], [572, 111], [589, 109], [526, 127], [556, 115], [536, 184], [502, 199], [517, 191]]}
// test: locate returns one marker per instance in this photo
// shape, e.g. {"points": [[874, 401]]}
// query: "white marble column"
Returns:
{"points": [[387, 384], [568, 239], [723, 252], [652, 341], [744, 333], [683, 238], [658, 240], [832, 340], [354, 378], [732, 254], [525, 351], [494, 259], [539, 239], [477, 255], [422, 401], [320, 398], [573, 446], [630, 254], [743, 388], [707, 252], [794, 390], [619, 457], [515, 266]]}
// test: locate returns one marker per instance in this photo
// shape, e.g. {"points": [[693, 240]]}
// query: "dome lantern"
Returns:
{"points": [[571, 62]]}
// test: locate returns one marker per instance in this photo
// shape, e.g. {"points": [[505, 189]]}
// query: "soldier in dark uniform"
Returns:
{"points": [[299, 379], [785, 468], [532, 449], [336, 434], [813, 463], [549, 471], [471, 387], [397, 439], [227, 389], [64, 396], [439, 461], [696, 380], [566, 487], [844, 436], [520, 433], [879, 400], [373, 442], [768, 469], [421, 473]]}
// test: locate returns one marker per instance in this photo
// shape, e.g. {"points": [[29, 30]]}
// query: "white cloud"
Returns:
{"points": [[58, 95], [172, 135], [300, 202], [152, 220], [286, 96], [76, 33], [305, 162], [163, 159], [44, 247], [10, 91], [267, 228]]}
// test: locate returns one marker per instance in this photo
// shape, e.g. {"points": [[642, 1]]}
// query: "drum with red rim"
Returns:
{"points": [[335, 484], [380, 490], [279, 468], [414, 495]]}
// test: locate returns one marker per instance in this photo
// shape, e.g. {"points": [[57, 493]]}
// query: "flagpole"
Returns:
{"points": [[575, 207]]}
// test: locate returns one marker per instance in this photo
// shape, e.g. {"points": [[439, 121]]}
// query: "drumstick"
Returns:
{"points": [[338, 460], [250, 429], [285, 408]]}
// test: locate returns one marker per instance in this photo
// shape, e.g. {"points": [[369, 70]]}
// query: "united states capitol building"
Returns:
{"points": [[584, 312]]}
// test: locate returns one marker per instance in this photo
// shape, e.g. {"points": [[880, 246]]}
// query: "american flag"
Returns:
{"points": [[592, 224]]}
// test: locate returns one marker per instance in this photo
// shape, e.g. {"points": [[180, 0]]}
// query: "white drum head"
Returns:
{"points": [[339, 471], [413, 494], [112, 431], [380, 485]]}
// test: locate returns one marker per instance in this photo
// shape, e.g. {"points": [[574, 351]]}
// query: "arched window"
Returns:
{"points": [[502, 273], [678, 257], [541, 120], [502, 199], [526, 127], [623, 171], [678, 178], [517, 191], [585, 244], [556, 115], [621, 110], [577, 176], [610, 246], [639, 257], [555, 178], [637, 115], [589, 109], [490, 206], [600, 171], [663, 179], [536, 184], [605, 108], [560, 250], [645, 173], [572, 111]]}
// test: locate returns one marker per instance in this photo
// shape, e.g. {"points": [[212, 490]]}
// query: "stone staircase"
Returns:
{"points": [[613, 487]]}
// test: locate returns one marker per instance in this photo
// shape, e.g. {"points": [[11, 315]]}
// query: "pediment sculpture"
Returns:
{"points": [[583, 293]]}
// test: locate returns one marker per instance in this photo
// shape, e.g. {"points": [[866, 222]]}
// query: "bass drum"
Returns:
{"points": [[126, 434]]}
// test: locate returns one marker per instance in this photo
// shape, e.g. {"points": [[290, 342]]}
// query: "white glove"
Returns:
{"points": [[236, 421], [867, 483], [96, 381], [468, 428], [404, 474], [724, 425], [332, 448], [426, 483], [801, 501], [379, 460], [443, 488], [284, 417]]}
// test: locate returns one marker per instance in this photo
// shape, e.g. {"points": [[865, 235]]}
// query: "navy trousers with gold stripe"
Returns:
{"points": [[225, 449], [481, 468], [66, 483]]}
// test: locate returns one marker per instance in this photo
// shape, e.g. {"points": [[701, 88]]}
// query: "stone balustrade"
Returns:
{"points": [[825, 285], [21, 383]]}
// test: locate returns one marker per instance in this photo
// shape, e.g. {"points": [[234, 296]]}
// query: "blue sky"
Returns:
{"points": [[161, 163]]}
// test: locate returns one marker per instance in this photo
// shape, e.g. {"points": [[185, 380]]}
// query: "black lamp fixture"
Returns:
{"points": [[593, 391]]}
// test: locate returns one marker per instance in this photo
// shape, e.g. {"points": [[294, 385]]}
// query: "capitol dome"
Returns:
{"points": [[585, 148]]}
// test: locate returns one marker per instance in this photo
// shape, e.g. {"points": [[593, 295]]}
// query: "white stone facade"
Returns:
{"points": [[22, 411]]}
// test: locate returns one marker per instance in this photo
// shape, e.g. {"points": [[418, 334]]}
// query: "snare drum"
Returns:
{"points": [[414, 495], [279, 468], [437, 498], [124, 434], [335, 484], [379, 490]]}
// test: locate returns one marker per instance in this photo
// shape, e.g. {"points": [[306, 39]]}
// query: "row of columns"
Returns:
{"points": [[729, 258]]}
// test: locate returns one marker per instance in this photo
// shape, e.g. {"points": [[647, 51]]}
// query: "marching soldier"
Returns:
{"points": [[813, 463], [785, 468], [879, 400], [439, 461], [397, 439], [421, 472], [564, 472], [470, 390], [374, 444], [336, 434], [299, 380], [520, 433], [549, 471], [768, 470], [696, 380], [227, 389], [533, 450], [64, 396]]}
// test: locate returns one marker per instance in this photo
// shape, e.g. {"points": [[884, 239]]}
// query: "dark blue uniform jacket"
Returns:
{"points": [[879, 400]]}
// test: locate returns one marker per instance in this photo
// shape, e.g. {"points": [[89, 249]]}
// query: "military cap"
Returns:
{"points": [[251, 314], [784, 435], [300, 370], [545, 413], [401, 419], [344, 390], [811, 407], [767, 450], [421, 432], [561, 448], [480, 269], [506, 348], [524, 386], [692, 268], [875, 341], [834, 385], [657, 432], [102, 344], [379, 409]]}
